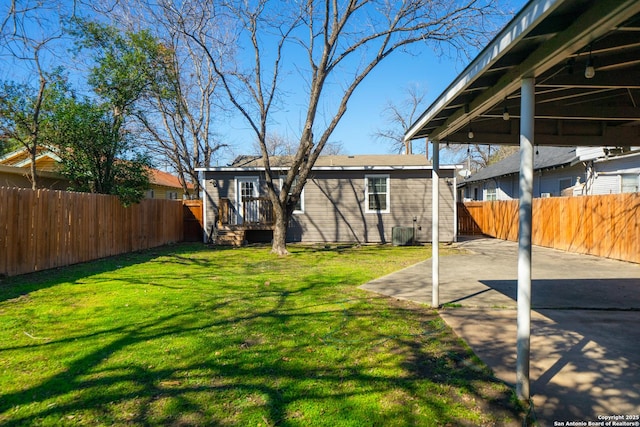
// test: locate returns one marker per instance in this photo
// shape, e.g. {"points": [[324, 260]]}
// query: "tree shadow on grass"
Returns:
{"points": [[271, 361]]}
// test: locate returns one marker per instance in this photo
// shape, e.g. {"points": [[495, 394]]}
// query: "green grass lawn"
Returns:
{"points": [[189, 335]]}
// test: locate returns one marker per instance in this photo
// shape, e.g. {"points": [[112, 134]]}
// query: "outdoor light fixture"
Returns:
{"points": [[470, 134], [505, 114], [589, 71]]}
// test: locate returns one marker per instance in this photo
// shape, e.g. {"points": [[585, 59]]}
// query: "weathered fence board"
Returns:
{"points": [[607, 225], [45, 229]]}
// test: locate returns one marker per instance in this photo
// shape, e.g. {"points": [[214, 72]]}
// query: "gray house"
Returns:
{"points": [[610, 170], [559, 171], [360, 199], [555, 169]]}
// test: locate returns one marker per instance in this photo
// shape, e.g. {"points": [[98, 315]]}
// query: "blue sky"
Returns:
{"points": [[429, 73]]}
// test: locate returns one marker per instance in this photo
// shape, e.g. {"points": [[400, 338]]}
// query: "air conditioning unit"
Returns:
{"points": [[402, 236]]}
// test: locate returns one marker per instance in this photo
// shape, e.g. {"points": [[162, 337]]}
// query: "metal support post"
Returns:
{"points": [[435, 225], [524, 237]]}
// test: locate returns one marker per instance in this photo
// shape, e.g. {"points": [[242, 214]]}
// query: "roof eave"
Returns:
{"points": [[531, 15], [593, 23]]}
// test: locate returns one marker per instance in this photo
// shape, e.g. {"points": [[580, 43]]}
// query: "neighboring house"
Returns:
{"points": [[610, 171], [346, 199], [165, 186], [15, 168], [558, 171]]}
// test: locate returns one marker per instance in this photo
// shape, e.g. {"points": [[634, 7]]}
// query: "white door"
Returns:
{"points": [[247, 186]]}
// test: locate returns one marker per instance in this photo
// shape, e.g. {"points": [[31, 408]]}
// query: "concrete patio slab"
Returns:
{"points": [[585, 339]]}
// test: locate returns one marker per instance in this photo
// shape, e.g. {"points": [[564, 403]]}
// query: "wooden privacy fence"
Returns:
{"points": [[46, 229], [192, 217], [607, 225]]}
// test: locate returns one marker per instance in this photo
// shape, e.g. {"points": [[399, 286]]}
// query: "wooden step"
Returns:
{"points": [[230, 237]]}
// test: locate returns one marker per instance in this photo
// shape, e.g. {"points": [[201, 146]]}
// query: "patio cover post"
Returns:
{"points": [[435, 225], [524, 237]]}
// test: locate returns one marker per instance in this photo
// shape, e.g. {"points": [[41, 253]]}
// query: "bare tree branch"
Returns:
{"points": [[179, 124], [399, 118]]}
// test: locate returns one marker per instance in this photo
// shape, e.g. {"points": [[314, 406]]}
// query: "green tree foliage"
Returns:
{"points": [[17, 103], [96, 155], [163, 82], [128, 66]]}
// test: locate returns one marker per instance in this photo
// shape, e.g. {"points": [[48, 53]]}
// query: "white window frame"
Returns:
{"points": [[255, 180], [491, 190], [295, 211], [366, 194]]}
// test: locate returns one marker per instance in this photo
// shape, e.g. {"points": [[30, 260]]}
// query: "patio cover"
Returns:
{"points": [[562, 72]]}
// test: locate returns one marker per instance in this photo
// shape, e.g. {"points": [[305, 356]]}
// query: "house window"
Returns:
{"points": [[376, 189], [150, 194], [491, 193], [299, 208], [173, 195], [629, 183], [563, 184]]}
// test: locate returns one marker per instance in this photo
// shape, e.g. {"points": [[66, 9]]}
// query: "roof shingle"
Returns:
{"points": [[546, 157]]}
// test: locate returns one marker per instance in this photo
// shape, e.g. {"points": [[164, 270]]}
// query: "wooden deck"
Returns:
{"points": [[257, 215]]}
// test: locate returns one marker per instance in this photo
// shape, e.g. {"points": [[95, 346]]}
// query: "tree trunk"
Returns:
{"points": [[283, 210], [34, 170], [279, 245]]}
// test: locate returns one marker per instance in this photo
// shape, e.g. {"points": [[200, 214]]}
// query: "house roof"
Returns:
{"points": [[344, 161], [46, 161], [546, 158], [634, 156], [373, 162], [551, 41], [165, 179]]}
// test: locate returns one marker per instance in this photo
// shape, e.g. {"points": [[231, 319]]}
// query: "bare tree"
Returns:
{"points": [[478, 156], [400, 118], [279, 145], [341, 42]]}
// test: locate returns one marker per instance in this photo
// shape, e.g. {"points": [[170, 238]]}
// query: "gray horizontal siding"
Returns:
{"points": [[334, 208]]}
